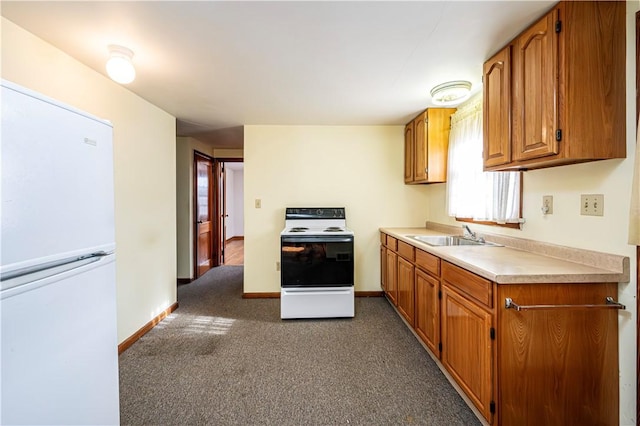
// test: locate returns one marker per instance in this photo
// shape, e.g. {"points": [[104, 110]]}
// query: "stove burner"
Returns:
{"points": [[333, 229], [298, 229]]}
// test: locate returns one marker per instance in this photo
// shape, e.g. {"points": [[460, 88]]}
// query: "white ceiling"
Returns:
{"points": [[217, 66]]}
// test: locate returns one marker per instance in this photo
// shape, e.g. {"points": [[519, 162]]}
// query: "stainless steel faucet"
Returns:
{"points": [[469, 232]]}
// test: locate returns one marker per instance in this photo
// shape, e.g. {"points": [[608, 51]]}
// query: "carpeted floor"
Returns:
{"points": [[223, 360]]}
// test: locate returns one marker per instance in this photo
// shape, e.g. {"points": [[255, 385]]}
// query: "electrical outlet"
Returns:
{"points": [[258, 203], [547, 204], [592, 204], [277, 266]]}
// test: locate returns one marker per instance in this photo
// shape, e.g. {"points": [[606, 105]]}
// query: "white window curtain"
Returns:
{"points": [[472, 193]]}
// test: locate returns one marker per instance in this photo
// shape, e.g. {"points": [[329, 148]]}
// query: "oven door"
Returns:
{"points": [[316, 261]]}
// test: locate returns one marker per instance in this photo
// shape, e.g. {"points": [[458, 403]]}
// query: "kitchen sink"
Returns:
{"points": [[450, 240]]}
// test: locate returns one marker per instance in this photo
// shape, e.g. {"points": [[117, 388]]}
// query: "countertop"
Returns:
{"points": [[509, 264]]}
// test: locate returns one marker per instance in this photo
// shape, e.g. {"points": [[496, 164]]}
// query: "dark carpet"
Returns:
{"points": [[223, 360]]}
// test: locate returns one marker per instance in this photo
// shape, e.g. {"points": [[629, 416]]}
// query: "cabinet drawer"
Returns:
{"points": [[468, 283], [406, 250], [392, 243], [428, 262], [383, 238]]}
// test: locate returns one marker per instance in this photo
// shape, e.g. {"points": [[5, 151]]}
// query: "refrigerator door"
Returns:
{"points": [[57, 181], [59, 349]]}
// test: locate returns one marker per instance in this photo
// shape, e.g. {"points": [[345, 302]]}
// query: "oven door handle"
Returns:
{"points": [[317, 239], [315, 292]]}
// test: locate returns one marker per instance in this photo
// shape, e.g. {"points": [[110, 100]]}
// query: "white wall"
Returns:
{"points": [[234, 182], [358, 167], [567, 227], [238, 208], [145, 214]]}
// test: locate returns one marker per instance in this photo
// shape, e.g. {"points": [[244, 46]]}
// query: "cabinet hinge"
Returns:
{"points": [[492, 407], [558, 26], [558, 135], [440, 346], [439, 294], [492, 333]]}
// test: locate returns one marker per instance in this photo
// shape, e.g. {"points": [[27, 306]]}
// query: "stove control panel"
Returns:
{"points": [[315, 213]]}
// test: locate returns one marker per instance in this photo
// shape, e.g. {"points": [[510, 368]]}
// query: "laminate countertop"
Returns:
{"points": [[520, 261]]}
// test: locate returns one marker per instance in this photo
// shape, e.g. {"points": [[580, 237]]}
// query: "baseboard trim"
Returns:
{"points": [[236, 238], [271, 295], [276, 295], [369, 293], [126, 344], [184, 281]]}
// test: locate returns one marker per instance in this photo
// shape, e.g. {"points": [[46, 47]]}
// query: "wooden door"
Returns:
{"points": [[406, 289], [497, 109], [392, 277], [466, 347], [408, 152], [203, 209], [535, 118], [427, 311]]}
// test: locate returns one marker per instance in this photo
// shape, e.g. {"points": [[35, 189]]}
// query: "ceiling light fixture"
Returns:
{"points": [[451, 92], [119, 66]]}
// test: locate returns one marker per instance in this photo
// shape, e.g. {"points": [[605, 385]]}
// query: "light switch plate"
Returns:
{"points": [[592, 204], [258, 203], [547, 204]]}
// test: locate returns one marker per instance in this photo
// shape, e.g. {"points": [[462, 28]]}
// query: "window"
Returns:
{"points": [[474, 195]]}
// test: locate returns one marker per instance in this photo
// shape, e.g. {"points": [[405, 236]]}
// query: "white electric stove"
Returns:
{"points": [[317, 264]]}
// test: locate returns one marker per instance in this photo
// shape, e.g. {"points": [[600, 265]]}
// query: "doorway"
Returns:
{"points": [[232, 211]]}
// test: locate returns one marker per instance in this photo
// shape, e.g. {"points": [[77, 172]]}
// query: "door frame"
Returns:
{"points": [[219, 242], [194, 208], [637, 247]]}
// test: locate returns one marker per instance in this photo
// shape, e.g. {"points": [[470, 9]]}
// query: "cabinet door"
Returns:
{"points": [[383, 268], [421, 160], [497, 109], [431, 133], [558, 366], [392, 277], [409, 144], [467, 348], [427, 314], [405, 289], [536, 90]]}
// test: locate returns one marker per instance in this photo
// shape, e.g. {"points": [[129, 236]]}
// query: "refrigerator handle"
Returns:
{"points": [[84, 259]]}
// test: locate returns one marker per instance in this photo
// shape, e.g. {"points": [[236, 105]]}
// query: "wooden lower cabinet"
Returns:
{"points": [[406, 289], [467, 348], [391, 289], [558, 366], [383, 268], [555, 366], [427, 312]]}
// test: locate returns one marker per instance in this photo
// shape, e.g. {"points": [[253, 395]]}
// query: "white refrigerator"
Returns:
{"points": [[59, 356]]}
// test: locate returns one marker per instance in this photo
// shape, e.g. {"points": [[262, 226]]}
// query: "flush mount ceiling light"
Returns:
{"points": [[451, 92], [119, 66]]}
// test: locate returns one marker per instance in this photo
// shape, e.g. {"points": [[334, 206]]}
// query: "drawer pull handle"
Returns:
{"points": [[609, 304]]}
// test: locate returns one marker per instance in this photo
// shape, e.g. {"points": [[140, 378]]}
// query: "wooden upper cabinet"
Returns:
{"points": [[497, 108], [408, 152], [430, 146], [567, 90], [536, 88]]}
